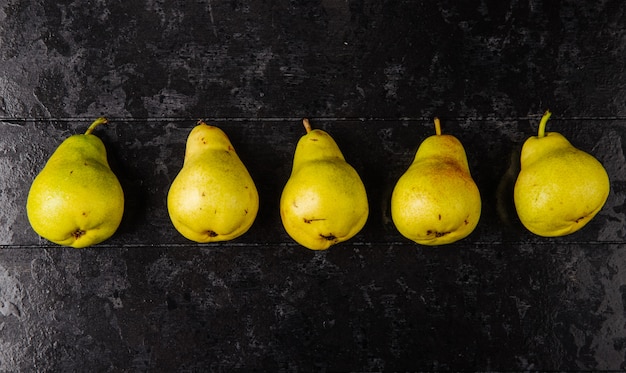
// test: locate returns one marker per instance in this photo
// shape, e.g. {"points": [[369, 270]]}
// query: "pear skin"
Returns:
{"points": [[324, 202], [559, 188], [76, 200], [436, 201], [213, 198]]}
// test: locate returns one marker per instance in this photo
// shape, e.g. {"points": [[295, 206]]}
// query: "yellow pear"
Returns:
{"points": [[76, 200], [436, 201], [324, 201], [213, 197], [559, 188]]}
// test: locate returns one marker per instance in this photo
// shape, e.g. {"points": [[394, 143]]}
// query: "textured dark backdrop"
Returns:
{"points": [[373, 74]]}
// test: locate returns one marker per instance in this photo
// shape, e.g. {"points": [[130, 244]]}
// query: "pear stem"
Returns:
{"points": [[307, 125], [95, 124], [437, 126], [542, 123]]}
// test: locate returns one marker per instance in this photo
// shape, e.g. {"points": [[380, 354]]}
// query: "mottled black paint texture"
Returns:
{"points": [[373, 74]]}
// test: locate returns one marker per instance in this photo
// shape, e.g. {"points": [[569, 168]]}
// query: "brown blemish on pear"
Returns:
{"points": [[329, 237]]}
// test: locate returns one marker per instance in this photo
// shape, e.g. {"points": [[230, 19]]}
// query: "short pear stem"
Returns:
{"points": [[437, 126], [95, 124], [542, 124], [307, 125]]}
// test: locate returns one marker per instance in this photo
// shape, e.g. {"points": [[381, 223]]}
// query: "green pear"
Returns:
{"points": [[76, 200], [213, 197], [324, 201], [559, 188], [436, 201]]}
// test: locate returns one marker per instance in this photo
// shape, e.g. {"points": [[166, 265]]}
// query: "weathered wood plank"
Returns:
{"points": [[319, 58]]}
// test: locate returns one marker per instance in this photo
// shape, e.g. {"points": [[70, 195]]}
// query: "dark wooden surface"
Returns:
{"points": [[373, 74]]}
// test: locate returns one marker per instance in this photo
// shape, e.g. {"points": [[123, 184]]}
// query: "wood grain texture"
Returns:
{"points": [[373, 74]]}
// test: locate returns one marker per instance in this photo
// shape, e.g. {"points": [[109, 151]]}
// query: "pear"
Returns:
{"points": [[213, 198], [324, 201], [559, 188], [436, 201], [76, 200]]}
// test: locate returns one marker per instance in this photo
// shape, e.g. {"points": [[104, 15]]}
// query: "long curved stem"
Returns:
{"points": [[542, 124], [96, 123]]}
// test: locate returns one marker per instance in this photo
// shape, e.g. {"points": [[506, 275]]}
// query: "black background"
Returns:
{"points": [[371, 73]]}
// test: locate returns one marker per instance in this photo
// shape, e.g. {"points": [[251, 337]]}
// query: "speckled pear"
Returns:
{"points": [[213, 197], [559, 188], [76, 200], [436, 201], [324, 202]]}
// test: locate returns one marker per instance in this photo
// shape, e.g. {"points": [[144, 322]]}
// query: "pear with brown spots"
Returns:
{"points": [[324, 202], [76, 200], [436, 201], [213, 197]]}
